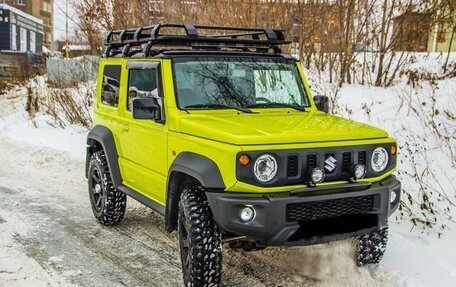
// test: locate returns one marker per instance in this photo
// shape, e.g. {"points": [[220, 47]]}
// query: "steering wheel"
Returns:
{"points": [[262, 99]]}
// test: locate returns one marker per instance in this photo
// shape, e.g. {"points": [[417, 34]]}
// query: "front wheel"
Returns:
{"points": [[200, 240], [371, 247]]}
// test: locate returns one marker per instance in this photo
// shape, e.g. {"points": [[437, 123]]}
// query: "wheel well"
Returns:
{"points": [[177, 182], [92, 147]]}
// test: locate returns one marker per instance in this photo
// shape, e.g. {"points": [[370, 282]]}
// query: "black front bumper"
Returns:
{"points": [[310, 215]]}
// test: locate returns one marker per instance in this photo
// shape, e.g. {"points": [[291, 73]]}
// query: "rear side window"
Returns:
{"points": [[111, 85]]}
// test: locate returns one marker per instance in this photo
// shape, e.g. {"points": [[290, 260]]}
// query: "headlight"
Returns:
{"points": [[379, 159], [265, 168]]}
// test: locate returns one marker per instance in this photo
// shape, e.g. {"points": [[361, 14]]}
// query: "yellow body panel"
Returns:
{"points": [[147, 149]]}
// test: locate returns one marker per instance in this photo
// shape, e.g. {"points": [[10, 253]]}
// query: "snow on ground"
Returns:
{"points": [[414, 257]]}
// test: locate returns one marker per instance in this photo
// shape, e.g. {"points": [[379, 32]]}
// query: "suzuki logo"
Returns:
{"points": [[330, 163]]}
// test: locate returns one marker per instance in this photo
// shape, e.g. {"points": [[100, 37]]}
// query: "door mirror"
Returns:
{"points": [[146, 108], [322, 103]]}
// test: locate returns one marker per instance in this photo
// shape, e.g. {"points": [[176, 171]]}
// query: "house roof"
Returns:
{"points": [[21, 13]]}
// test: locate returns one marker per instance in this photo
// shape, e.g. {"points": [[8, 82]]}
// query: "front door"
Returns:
{"points": [[143, 143]]}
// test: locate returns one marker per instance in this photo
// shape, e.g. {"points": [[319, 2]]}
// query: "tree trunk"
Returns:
{"points": [[445, 66]]}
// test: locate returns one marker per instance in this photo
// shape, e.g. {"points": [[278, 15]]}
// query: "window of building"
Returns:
{"points": [[141, 84], [47, 37], [111, 85], [23, 40], [32, 42], [13, 38], [21, 2], [156, 6], [128, 8], [441, 32], [47, 22], [46, 6]]}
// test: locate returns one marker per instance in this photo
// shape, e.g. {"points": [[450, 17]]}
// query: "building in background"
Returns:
{"points": [[42, 9], [411, 30], [425, 32], [20, 31], [442, 37], [75, 49]]}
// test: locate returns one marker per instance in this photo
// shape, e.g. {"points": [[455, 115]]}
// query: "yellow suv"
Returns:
{"points": [[216, 129]]}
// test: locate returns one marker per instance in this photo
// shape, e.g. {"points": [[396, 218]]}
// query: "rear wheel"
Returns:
{"points": [[371, 247], [108, 204], [200, 240]]}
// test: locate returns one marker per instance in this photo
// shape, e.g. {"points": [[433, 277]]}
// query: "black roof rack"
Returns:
{"points": [[143, 39]]}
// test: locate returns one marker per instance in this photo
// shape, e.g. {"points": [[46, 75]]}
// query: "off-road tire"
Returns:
{"points": [[108, 205], [200, 240], [371, 247]]}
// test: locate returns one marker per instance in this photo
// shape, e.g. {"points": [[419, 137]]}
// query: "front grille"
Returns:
{"points": [[292, 166], [304, 211], [311, 161], [346, 161], [362, 158]]}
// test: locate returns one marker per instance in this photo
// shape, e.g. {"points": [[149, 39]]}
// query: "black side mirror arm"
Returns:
{"points": [[322, 103]]}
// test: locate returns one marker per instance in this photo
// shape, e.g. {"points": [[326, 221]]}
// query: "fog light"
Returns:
{"points": [[317, 175], [247, 214], [358, 171], [393, 196]]}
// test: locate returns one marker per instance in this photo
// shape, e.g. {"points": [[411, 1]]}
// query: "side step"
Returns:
{"points": [[141, 198]]}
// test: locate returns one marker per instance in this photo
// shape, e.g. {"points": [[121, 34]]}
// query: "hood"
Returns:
{"points": [[275, 127]]}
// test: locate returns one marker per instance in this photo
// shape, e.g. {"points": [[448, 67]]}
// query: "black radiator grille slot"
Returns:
{"points": [[311, 161], [346, 161], [304, 211], [362, 158], [292, 166]]}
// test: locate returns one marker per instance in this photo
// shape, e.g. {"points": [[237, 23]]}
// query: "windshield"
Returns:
{"points": [[238, 83]]}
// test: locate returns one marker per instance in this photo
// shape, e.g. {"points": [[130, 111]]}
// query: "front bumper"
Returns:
{"points": [[308, 216]]}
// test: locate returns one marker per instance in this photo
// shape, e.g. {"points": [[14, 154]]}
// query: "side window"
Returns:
{"points": [[142, 83], [111, 85]]}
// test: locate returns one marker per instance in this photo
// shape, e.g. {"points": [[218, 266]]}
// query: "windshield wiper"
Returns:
{"points": [[278, 105], [220, 106]]}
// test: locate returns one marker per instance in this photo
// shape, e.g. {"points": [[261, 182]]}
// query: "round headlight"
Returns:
{"points": [[379, 159], [265, 168]]}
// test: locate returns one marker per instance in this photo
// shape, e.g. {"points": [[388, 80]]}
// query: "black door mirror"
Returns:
{"points": [[146, 108], [322, 103]]}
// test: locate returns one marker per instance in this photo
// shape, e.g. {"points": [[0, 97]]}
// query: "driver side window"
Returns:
{"points": [[142, 83]]}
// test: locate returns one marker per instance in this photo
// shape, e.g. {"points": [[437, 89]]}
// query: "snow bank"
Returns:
{"points": [[39, 127]]}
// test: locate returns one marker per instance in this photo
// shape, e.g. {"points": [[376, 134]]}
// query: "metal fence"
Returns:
{"points": [[68, 72]]}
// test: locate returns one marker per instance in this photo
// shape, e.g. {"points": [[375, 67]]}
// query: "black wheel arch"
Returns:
{"points": [[189, 168], [100, 137]]}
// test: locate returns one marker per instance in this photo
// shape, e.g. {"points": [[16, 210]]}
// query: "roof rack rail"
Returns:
{"points": [[147, 37]]}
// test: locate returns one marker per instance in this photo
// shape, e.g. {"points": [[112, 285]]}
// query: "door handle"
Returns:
{"points": [[124, 128]]}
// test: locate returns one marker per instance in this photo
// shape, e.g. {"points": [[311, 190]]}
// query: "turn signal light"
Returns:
{"points": [[244, 159], [393, 149]]}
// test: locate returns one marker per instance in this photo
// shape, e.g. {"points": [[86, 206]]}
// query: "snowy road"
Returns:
{"points": [[49, 237]]}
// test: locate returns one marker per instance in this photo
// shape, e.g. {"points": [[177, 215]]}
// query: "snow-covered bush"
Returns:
{"points": [[66, 106]]}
